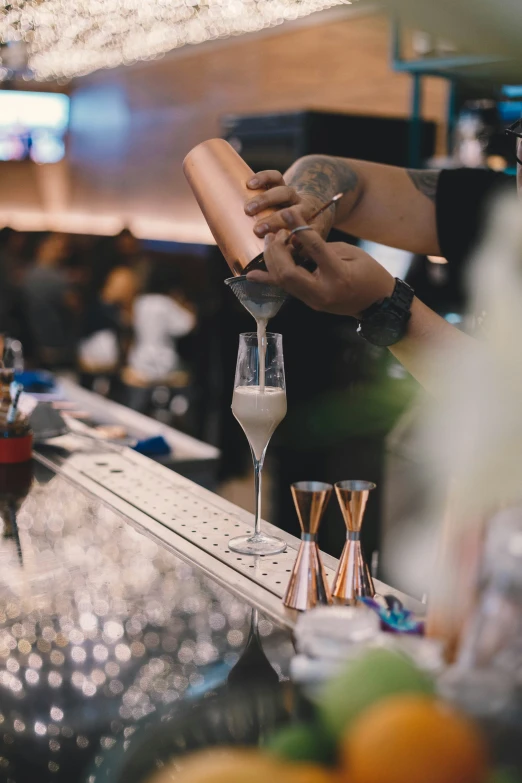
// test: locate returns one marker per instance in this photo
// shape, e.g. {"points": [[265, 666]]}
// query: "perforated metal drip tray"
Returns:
{"points": [[192, 513], [194, 522]]}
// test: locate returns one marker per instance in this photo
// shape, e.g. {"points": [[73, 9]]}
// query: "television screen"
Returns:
{"points": [[33, 125], [510, 108]]}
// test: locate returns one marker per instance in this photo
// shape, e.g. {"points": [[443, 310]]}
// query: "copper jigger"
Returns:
{"points": [[218, 177], [308, 586], [353, 579]]}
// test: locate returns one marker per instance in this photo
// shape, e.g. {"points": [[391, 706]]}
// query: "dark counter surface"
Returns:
{"points": [[120, 601], [101, 625]]}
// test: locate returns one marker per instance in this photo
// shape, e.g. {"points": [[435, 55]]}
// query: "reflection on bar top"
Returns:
{"points": [[99, 627]]}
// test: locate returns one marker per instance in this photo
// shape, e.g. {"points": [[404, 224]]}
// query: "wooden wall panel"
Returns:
{"points": [[131, 127]]}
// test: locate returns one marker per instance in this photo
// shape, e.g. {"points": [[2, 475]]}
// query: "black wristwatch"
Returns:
{"points": [[385, 322]]}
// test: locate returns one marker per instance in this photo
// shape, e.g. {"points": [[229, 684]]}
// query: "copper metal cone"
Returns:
{"points": [[218, 177], [308, 586], [353, 497], [310, 500], [353, 579]]}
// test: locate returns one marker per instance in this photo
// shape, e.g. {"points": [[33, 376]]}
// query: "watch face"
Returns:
{"points": [[384, 328]]}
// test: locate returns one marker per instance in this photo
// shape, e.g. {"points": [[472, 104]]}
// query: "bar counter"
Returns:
{"points": [[119, 597]]}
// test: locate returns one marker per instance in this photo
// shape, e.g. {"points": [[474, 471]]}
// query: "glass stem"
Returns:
{"points": [[258, 467]]}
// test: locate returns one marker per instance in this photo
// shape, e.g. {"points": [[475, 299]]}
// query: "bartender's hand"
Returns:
{"points": [[346, 282], [283, 197]]}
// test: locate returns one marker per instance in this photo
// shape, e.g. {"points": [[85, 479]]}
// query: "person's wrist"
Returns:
{"points": [[379, 292], [387, 287], [385, 322]]}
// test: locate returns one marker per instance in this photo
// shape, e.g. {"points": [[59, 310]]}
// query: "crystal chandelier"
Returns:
{"points": [[67, 38]]}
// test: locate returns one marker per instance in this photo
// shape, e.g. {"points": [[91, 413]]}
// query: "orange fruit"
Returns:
{"points": [[307, 773], [220, 765], [413, 739], [239, 765]]}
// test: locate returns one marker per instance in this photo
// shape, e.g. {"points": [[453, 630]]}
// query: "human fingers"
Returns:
{"points": [[284, 271], [266, 179], [290, 217], [260, 276], [279, 196], [311, 245], [270, 275]]}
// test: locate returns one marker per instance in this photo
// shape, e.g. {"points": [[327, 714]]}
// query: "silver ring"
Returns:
{"points": [[295, 230]]}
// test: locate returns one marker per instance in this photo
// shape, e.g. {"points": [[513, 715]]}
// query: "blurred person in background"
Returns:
{"points": [[12, 254], [49, 303], [12, 266], [107, 327], [125, 250], [161, 316], [122, 250]]}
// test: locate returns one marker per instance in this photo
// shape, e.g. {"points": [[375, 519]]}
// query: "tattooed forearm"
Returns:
{"points": [[425, 181], [323, 176]]}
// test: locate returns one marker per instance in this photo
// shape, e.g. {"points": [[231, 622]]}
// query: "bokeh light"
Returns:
{"points": [[66, 39], [101, 618]]}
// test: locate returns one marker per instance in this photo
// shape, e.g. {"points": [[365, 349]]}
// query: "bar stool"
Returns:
{"points": [[167, 399]]}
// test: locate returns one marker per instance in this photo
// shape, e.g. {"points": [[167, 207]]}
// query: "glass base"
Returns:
{"points": [[259, 544]]}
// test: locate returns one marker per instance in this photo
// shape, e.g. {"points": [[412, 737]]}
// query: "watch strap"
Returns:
{"points": [[384, 323], [402, 297], [399, 302]]}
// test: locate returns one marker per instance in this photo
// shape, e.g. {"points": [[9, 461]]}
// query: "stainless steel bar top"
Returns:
{"points": [[104, 619], [193, 521], [119, 599]]}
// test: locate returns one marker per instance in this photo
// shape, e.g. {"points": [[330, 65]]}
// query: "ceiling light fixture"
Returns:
{"points": [[66, 39]]}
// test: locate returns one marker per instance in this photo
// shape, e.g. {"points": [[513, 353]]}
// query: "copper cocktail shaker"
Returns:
{"points": [[218, 177]]}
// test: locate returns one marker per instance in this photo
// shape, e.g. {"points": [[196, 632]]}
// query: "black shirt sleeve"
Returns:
{"points": [[462, 203]]}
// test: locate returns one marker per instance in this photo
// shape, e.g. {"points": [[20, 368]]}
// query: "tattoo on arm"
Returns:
{"points": [[322, 176], [425, 181]]}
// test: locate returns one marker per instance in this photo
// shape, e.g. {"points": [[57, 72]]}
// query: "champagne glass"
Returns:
{"points": [[259, 404]]}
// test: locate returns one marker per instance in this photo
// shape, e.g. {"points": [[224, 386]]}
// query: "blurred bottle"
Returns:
{"points": [[488, 666], [16, 438], [494, 633], [476, 125], [458, 565], [15, 483], [486, 681]]}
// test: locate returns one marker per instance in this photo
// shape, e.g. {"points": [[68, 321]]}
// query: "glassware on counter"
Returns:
{"points": [[15, 483], [353, 579], [308, 585], [253, 669], [259, 405], [16, 439]]}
